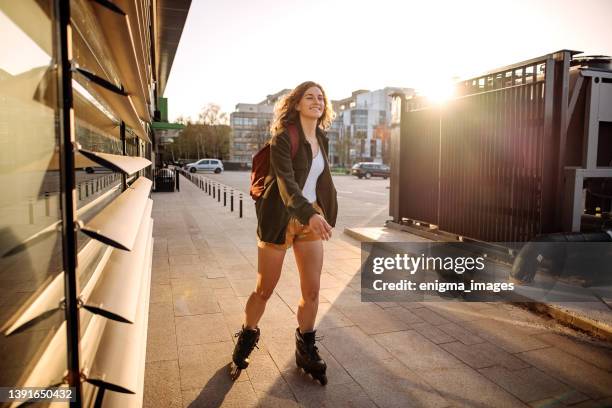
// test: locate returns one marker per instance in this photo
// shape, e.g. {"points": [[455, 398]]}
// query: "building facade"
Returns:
{"points": [[250, 124], [361, 129], [78, 94]]}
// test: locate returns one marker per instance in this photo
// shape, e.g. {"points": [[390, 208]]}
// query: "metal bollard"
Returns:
{"points": [[224, 197], [31, 211], [80, 192], [240, 205], [206, 186], [47, 204], [214, 191], [218, 193], [232, 201]]}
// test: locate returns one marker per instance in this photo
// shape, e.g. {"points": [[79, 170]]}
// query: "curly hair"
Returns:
{"points": [[285, 111]]}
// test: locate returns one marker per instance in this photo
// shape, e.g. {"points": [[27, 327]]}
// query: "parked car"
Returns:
{"points": [[370, 169], [205, 165]]}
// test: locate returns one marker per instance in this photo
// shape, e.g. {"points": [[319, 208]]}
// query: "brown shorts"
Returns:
{"points": [[296, 231]]}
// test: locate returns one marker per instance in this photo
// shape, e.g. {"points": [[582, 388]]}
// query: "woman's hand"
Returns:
{"points": [[319, 226]]}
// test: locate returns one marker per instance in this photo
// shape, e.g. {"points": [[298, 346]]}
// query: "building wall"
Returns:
{"points": [[250, 124], [46, 261], [354, 135]]}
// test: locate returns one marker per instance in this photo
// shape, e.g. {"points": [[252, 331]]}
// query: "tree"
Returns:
{"points": [[208, 137]]}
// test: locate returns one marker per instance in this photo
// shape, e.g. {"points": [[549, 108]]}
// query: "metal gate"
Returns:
{"points": [[491, 164]]}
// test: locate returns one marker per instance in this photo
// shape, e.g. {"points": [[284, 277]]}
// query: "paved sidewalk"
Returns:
{"points": [[379, 355]]}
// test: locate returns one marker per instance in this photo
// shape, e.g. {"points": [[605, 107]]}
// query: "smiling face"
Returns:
{"points": [[312, 103]]}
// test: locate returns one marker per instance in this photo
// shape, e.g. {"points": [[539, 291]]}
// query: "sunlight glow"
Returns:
{"points": [[438, 92]]}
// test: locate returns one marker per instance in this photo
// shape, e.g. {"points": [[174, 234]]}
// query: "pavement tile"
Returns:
{"points": [[161, 335], [391, 384], [162, 385], [182, 250], [430, 316], [223, 292], [432, 333], [310, 394], [599, 355], [404, 315], [507, 335], [483, 355], [243, 287], [465, 387], [191, 298], [415, 351], [199, 329], [183, 259], [372, 319], [329, 281], [263, 372], [601, 403], [584, 377], [160, 276], [231, 304], [341, 297], [279, 396], [160, 293], [204, 364], [179, 271], [221, 394], [461, 334], [352, 348], [531, 385], [329, 316]]}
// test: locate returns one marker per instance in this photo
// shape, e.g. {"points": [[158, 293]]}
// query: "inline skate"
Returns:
{"points": [[247, 341], [307, 356]]}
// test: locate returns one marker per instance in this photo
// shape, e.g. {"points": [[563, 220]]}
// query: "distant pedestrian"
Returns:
{"points": [[298, 208]]}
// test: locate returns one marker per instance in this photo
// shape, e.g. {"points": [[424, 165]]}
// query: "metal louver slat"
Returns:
{"points": [[139, 30], [115, 162], [114, 399], [116, 27], [113, 295], [118, 100], [118, 365], [50, 297], [91, 115], [50, 368], [118, 223]]}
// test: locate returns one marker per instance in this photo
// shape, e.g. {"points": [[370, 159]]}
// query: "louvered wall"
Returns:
{"points": [[111, 84]]}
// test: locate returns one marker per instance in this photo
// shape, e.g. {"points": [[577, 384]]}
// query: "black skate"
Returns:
{"points": [[247, 341], [307, 356]]}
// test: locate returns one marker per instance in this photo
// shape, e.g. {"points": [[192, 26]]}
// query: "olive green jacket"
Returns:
{"points": [[282, 196]]}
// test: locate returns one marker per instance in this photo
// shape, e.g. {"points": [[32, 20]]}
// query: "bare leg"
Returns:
{"points": [[309, 259], [269, 266]]}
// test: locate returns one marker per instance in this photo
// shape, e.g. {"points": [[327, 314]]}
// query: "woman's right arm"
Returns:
{"points": [[290, 192]]}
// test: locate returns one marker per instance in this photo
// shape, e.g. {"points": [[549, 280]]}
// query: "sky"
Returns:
{"points": [[239, 51]]}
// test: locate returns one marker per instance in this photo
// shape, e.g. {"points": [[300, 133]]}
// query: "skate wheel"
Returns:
{"points": [[323, 380], [235, 371]]}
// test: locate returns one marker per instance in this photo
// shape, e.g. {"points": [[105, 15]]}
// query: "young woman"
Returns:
{"points": [[297, 208]]}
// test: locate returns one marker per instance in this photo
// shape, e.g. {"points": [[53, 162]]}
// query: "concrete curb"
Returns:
{"points": [[576, 321]]}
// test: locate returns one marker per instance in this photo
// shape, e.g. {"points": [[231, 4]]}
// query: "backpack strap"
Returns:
{"points": [[294, 137]]}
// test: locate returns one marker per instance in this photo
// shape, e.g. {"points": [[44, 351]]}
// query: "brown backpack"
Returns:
{"points": [[261, 163]]}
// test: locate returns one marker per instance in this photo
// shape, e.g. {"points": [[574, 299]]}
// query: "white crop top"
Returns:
{"points": [[310, 187]]}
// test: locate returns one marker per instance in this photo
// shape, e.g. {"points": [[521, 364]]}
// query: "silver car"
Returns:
{"points": [[205, 165]]}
